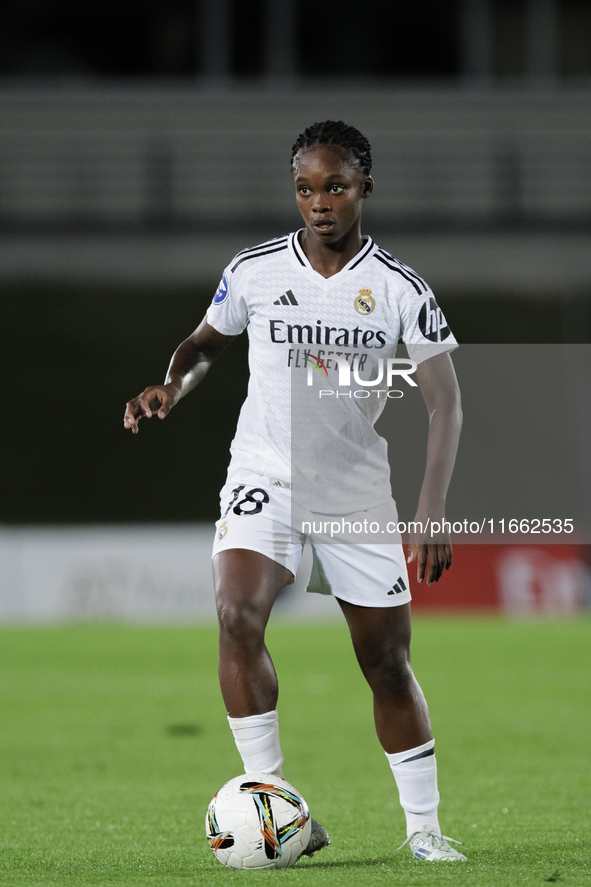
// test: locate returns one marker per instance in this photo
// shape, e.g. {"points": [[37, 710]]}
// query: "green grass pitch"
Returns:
{"points": [[113, 740]]}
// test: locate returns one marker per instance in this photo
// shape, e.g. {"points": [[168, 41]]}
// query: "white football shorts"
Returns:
{"points": [[256, 514]]}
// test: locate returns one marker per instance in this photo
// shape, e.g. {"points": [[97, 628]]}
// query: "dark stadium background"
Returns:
{"points": [[426, 39], [74, 351], [78, 353]]}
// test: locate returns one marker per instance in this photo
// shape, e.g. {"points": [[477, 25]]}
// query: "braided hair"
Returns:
{"points": [[331, 132]]}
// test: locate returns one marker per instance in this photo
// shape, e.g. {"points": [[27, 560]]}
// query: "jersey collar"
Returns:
{"points": [[300, 258]]}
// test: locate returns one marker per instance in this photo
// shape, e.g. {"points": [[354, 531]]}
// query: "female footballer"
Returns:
{"points": [[324, 291]]}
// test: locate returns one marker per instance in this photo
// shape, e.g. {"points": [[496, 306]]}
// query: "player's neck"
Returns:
{"points": [[328, 259]]}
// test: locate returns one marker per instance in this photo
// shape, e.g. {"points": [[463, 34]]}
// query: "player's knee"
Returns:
{"points": [[398, 677], [239, 621], [389, 671]]}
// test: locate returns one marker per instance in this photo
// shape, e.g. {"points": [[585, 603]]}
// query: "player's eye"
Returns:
{"points": [[303, 189], [336, 189]]}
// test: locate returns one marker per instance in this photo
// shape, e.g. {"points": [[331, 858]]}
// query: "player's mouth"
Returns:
{"points": [[324, 227]]}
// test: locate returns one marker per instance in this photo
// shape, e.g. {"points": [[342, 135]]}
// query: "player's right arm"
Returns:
{"points": [[188, 366]]}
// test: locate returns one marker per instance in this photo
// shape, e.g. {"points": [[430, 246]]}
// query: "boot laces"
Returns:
{"points": [[437, 840]]}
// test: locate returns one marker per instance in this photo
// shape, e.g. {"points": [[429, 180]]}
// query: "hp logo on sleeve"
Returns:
{"points": [[432, 323]]}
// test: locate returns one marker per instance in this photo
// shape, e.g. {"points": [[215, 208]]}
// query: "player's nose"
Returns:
{"points": [[321, 203]]}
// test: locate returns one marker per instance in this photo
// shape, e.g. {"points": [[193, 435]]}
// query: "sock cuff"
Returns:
{"points": [[257, 741], [412, 754], [268, 719], [415, 772]]}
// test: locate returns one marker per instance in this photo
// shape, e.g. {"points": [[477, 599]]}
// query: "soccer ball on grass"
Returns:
{"points": [[258, 821]]}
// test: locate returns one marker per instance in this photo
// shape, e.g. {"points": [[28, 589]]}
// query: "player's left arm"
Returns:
{"points": [[439, 387]]}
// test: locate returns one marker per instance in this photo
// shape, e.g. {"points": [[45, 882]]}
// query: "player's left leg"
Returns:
{"points": [[381, 639]]}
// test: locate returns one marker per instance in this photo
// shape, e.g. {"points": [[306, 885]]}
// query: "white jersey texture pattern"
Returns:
{"points": [[326, 446]]}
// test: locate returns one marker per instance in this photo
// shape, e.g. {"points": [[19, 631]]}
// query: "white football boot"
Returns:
{"points": [[427, 844], [318, 839]]}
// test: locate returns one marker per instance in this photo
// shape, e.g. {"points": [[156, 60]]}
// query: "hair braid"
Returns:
{"points": [[335, 132]]}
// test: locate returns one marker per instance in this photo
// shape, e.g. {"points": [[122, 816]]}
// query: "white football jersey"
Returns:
{"points": [[300, 423]]}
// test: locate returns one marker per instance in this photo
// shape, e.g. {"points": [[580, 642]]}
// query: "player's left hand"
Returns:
{"points": [[438, 557]]}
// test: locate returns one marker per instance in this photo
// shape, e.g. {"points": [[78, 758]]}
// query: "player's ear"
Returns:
{"points": [[367, 186]]}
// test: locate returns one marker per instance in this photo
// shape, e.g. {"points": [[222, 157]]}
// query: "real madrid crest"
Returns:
{"points": [[222, 530], [364, 303]]}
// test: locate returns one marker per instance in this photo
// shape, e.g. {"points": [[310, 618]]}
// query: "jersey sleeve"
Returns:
{"points": [[425, 331], [228, 312]]}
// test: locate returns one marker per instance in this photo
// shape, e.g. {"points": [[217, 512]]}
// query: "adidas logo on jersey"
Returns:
{"points": [[398, 586], [287, 299]]}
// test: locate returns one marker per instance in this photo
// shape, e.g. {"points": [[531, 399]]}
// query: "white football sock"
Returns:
{"points": [[415, 772], [257, 740]]}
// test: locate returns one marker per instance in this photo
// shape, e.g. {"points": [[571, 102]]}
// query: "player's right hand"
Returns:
{"points": [[158, 399]]}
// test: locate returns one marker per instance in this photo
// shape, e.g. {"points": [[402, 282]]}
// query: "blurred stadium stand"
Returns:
{"points": [[218, 160], [152, 143], [498, 181]]}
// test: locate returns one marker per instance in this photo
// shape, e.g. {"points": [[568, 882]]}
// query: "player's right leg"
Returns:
{"points": [[256, 553], [246, 586]]}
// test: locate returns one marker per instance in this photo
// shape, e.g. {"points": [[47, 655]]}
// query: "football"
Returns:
{"points": [[258, 821]]}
